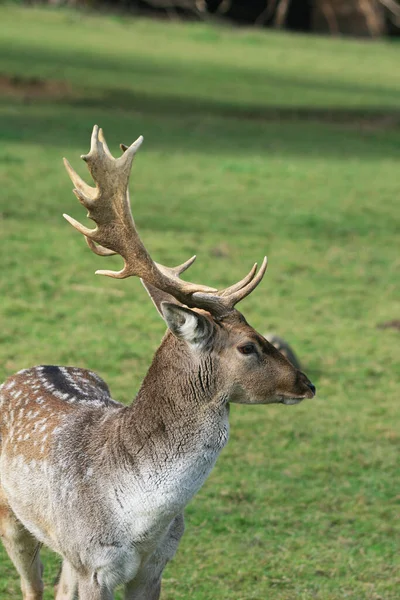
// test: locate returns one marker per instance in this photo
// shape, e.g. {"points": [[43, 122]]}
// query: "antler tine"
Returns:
{"points": [[103, 142], [223, 302], [180, 268], [98, 145], [84, 192], [79, 227], [244, 291], [99, 250], [240, 284]]}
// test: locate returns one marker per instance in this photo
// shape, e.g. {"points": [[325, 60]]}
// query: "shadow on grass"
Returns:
{"points": [[179, 106], [187, 125], [74, 63]]}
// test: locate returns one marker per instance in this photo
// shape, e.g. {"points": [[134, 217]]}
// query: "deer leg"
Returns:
{"points": [[89, 589], [143, 590], [67, 586], [147, 582], [23, 550]]}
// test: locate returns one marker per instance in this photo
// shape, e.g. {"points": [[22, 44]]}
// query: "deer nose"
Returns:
{"points": [[312, 387]]}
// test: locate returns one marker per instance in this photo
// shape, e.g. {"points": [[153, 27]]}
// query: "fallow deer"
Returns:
{"points": [[284, 348], [103, 484]]}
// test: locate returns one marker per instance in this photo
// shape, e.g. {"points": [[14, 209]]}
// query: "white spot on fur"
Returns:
{"points": [[22, 371]]}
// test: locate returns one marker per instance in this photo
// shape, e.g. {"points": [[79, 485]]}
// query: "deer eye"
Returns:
{"points": [[247, 349]]}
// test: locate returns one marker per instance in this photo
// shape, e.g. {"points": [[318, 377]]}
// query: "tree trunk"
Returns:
{"points": [[352, 17]]}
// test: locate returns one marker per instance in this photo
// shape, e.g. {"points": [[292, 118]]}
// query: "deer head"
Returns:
{"points": [[204, 326]]}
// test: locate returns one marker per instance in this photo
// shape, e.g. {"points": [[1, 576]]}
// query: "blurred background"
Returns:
{"points": [[353, 17], [269, 128]]}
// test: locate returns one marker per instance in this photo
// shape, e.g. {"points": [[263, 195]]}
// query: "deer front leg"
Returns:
{"points": [[147, 582], [67, 586], [143, 590], [89, 589], [23, 550]]}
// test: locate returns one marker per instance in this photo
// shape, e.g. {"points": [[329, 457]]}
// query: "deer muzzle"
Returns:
{"points": [[303, 389]]}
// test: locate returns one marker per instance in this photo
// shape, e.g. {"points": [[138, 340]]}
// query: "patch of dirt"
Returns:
{"points": [[33, 87], [395, 324]]}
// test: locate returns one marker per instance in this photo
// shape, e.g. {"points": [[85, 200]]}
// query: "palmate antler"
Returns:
{"points": [[108, 206]]}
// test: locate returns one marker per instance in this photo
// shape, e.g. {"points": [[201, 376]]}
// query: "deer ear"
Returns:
{"points": [[158, 297], [187, 325]]}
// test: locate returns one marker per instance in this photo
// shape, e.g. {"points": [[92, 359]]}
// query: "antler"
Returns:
{"points": [[108, 206], [224, 301]]}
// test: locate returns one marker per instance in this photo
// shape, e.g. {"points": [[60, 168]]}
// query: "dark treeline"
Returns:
{"points": [[367, 18]]}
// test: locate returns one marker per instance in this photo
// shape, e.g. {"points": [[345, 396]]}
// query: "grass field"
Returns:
{"points": [[255, 142]]}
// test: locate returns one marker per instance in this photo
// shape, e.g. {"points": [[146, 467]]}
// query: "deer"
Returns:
{"points": [[105, 484], [284, 348]]}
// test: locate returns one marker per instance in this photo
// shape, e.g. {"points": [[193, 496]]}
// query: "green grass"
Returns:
{"points": [[255, 142]]}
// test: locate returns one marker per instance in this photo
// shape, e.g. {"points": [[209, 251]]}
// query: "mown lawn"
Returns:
{"points": [[255, 143]]}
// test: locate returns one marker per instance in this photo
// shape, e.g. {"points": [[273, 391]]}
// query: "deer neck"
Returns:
{"points": [[169, 439], [179, 408]]}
